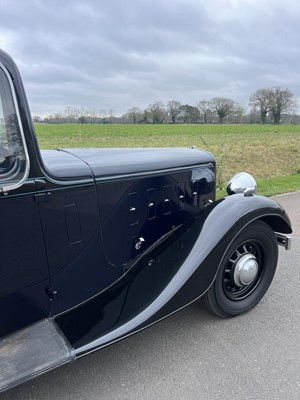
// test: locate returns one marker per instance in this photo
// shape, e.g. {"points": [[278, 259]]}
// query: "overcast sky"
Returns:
{"points": [[118, 54]]}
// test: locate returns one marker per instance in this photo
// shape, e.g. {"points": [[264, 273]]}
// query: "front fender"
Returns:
{"points": [[172, 274], [227, 218]]}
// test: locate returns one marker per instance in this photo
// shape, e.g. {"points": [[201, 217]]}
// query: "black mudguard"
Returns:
{"points": [[173, 273]]}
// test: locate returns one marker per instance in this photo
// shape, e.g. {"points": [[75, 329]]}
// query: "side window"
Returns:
{"points": [[14, 163]]}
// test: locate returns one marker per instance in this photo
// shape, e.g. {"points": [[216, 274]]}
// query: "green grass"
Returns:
{"points": [[270, 153], [278, 185]]}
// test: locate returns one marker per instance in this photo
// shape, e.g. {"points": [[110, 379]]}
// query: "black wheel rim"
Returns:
{"points": [[230, 288]]}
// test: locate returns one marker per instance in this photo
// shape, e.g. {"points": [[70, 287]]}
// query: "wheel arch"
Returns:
{"points": [[228, 296], [235, 212], [277, 223]]}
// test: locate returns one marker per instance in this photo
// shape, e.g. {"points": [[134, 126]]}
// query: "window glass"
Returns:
{"points": [[13, 160]]}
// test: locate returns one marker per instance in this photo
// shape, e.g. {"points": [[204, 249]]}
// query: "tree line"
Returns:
{"points": [[270, 105]]}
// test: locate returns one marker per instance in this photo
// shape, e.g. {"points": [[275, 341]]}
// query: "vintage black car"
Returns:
{"points": [[97, 244]]}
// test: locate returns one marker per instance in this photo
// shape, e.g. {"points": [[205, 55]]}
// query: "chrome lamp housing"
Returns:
{"points": [[242, 182]]}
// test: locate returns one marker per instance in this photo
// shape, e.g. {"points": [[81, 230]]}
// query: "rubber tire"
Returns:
{"points": [[215, 298]]}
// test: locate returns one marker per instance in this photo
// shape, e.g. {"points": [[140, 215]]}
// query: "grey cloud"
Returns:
{"points": [[121, 54]]}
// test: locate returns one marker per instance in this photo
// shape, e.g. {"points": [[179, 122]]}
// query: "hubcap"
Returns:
{"points": [[243, 271], [246, 270]]}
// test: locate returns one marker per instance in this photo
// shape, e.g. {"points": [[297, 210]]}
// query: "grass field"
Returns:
{"points": [[265, 151]]}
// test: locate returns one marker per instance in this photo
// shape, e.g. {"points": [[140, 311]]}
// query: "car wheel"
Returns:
{"points": [[245, 273]]}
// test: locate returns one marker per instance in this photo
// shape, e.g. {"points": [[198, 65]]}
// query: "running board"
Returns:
{"points": [[32, 351]]}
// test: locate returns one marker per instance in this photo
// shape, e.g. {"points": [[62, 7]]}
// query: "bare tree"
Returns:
{"points": [[146, 116], [134, 114], [275, 100], [92, 115], [205, 108], [222, 107], [56, 118], [173, 108], [253, 117], [111, 115], [71, 114], [238, 113], [189, 114], [261, 99], [157, 112], [281, 100], [36, 118]]}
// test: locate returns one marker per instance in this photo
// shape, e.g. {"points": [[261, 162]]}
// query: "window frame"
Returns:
{"points": [[5, 187]]}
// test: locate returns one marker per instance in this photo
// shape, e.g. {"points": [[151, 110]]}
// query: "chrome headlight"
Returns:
{"points": [[242, 183]]}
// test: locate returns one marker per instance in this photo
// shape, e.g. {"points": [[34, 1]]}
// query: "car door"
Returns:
{"points": [[23, 268], [69, 212], [70, 222]]}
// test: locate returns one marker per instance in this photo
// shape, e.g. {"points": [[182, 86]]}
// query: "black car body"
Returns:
{"points": [[97, 244]]}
